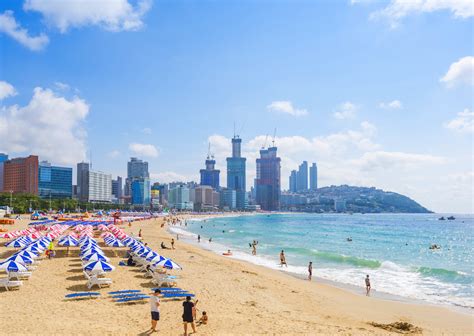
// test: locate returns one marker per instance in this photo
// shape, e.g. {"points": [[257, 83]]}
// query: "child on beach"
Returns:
{"points": [[203, 319]]}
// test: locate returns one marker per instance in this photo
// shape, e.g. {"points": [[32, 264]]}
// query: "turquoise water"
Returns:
{"points": [[392, 248]]}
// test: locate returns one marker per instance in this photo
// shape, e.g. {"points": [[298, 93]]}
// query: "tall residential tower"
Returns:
{"points": [[236, 173], [268, 182]]}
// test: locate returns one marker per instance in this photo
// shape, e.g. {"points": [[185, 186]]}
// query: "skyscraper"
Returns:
{"points": [[302, 177], [293, 181], [3, 158], [313, 177], [236, 173], [141, 191], [210, 175], [20, 175], [93, 186], [267, 182], [83, 181], [53, 181], [117, 189], [136, 168]]}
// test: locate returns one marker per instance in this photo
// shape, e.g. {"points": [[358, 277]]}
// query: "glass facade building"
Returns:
{"points": [[268, 180], [141, 191], [53, 181], [210, 175], [236, 173], [313, 177]]}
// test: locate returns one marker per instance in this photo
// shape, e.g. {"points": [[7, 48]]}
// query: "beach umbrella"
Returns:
{"points": [[91, 251], [32, 249], [128, 241], [116, 243], [17, 243], [168, 263], [156, 260], [28, 254], [95, 257], [13, 266], [68, 241], [98, 267], [21, 259]]}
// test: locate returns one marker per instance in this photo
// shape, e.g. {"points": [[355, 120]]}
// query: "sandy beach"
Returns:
{"points": [[240, 299]]}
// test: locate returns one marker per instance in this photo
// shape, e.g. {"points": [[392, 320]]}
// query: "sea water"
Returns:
{"points": [[392, 248]]}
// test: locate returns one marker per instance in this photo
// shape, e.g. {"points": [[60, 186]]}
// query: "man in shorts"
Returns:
{"points": [[155, 309], [189, 313], [367, 285]]}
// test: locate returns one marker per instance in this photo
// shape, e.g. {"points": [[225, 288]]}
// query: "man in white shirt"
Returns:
{"points": [[155, 309]]}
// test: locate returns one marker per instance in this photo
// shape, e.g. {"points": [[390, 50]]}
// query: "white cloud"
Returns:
{"points": [[398, 9], [113, 154], [50, 126], [10, 27], [346, 110], [394, 104], [463, 123], [286, 107], [147, 150], [146, 130], [169, 176], [460, 72], [383, 160], [62, 86], [6, 90], [112, 15]]}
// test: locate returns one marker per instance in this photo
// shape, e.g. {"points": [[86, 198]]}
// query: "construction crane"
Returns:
{"points": [[274, 134], [265, 143]]}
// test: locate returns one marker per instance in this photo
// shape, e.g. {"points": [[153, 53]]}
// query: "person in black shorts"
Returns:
{"points": [[155, 309], [189, 313]]}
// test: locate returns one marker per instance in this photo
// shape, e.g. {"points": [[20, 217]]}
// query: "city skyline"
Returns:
{"points": [[407, 129]]}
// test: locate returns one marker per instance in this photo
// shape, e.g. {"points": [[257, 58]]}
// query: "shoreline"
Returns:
{"points": [[350, 288]]}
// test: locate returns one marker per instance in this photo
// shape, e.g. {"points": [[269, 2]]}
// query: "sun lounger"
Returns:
{"points": [[123, 296], [82, 295], [168, 289], [132, 299], [19, 275], [125, 291], [7, 283], [93, 280], [176, 295]]}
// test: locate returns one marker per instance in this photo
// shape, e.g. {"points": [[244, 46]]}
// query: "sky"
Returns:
{"points": [[377, 93]]}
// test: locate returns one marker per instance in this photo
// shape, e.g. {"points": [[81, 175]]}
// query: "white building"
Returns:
{"points": [[100, 186]]}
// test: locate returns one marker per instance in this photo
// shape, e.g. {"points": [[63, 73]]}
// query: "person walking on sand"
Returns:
{"points": [[172, 243], [155, 309], [189, 314], [140, 234], [310, 270], [283, 259], [199, 238], [367, 285]]}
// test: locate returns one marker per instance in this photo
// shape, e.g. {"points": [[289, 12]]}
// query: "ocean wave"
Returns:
{"points": [[344, 259], [440, 273]]}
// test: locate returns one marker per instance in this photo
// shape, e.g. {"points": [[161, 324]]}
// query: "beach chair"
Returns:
{"points": [[82, 295], [124, 296], [19, 275], [93, 280], [125, 291], [7, 283]]}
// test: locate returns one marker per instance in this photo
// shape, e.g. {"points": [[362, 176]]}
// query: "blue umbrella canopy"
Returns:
{"points": [[92, 250], [32, 248], [21, 259], [129, 241], [116, 243], [68, 241], [16, 243], [98, 267], [156, 259], [95, 256], [168, 263], [13, 266], [28, 254]]}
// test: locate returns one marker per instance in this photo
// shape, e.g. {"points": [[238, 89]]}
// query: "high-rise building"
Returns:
{"points": [[141, 191], [100, 186], [83, 181], [3, 158], [179, 198], [117, 189], [93, 186], [293, 181], [236, 173], [268, 181], [159, 192], [20, 175], [313, 177], [228, 199], [302, 177], [136, 168], [53, 181], [210, 175], [205, 198]]}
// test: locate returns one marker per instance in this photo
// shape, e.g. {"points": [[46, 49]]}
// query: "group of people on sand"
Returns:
{"points": [[188, 316]]}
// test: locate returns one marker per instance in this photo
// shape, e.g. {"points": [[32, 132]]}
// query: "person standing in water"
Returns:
{"points": [[283, 259], [310, 270], [254, 247], [199, 238], [367, 285]]}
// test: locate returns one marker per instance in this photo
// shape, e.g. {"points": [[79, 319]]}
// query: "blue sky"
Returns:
{"points": [[377, 93]]}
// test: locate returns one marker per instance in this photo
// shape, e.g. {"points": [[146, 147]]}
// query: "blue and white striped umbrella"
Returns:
{"points": [[95, 257], [16, 243], [28, 254], [168, 263], [98, 267], [129, 241], [156, 259], [137, 247], [13, 266], [150, 256], [42, 243], [144, 252], [21, 259], [91, 251], [32, 248], [116, 243], [68, 241]]}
